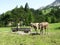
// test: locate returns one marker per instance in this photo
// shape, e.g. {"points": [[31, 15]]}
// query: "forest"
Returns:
{"points": [[26, 15]]}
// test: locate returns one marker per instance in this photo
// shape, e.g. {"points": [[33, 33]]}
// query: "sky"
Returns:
{"points": [[6, 5]]}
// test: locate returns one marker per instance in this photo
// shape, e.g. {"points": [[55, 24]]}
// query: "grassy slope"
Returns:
{"points": [[8, 38]]}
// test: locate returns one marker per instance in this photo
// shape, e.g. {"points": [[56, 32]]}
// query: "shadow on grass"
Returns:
{"points": [[34, 33], [57, 28]]}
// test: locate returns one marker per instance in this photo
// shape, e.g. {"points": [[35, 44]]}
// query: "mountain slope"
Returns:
{"points": [[55, 3]]}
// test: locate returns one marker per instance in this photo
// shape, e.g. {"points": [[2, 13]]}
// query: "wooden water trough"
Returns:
{"points": [[26, 30]]}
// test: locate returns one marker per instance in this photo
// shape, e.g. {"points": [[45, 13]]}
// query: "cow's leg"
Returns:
{"points": [[45, 30], [41, 31], [36, 30]]}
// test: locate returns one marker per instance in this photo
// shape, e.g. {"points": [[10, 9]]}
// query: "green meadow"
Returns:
{"points": [[52, 38]]}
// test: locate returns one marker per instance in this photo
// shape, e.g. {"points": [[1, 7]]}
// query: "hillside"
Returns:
{"points": [[25, 15], [55, 3]]}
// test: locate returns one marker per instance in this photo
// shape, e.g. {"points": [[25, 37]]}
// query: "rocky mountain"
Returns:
{"points": [[55, 3]]}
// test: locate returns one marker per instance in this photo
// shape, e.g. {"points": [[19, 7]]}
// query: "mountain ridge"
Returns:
{"points": [[55, 3]]}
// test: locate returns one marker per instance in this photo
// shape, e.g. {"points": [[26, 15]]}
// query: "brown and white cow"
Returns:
{"points": [[43, 26], [35, 26]]}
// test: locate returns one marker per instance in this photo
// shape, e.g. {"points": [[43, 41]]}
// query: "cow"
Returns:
{"points": [[35, 26], [43, 26]]}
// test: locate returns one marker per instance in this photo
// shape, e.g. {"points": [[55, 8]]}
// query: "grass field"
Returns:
{"points": [[9, 38]]}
